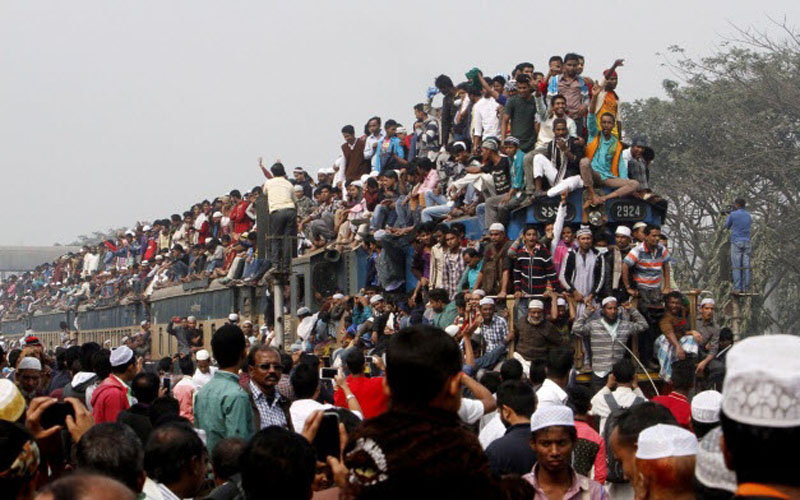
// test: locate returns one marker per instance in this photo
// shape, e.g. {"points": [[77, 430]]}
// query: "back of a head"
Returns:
{"points": [[537, 372], [559, 362], [164, 364], [228, 344], [518, 396], [85, 486], [683, 374], [287, 362], [355, 362], [277, 463], [225, 457], [165, 406], [145, 387], [186, 365], [15, 443], [670, 474], [419, 361], [511, 370], [624, 371], [635, 419], [491, 380], [169, 451], [88, 350], [101, 364], [579, 399], [305, 380], [113, 450]]}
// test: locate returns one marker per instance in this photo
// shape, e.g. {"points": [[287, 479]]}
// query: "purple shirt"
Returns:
{"points": [[580, 484]]}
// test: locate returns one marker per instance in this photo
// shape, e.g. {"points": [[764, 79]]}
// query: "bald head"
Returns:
{"points": [[86, 487]]}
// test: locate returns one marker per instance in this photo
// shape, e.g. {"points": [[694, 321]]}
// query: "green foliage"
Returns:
{"points": [[731, 129]]}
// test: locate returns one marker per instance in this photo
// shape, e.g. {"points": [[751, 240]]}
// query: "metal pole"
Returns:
{"points": [[277, 291]]}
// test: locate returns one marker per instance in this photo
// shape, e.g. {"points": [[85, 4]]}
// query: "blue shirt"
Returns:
{"points": [[604, 154], [222, 409], [739, 223]]}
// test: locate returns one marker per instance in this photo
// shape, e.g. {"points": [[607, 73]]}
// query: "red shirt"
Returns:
{"points": [[241, 222], [679, 406], [600, 466], [368, 392]]}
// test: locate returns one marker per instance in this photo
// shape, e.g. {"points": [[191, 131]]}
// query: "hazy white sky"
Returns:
{"points": [[112, 112]]}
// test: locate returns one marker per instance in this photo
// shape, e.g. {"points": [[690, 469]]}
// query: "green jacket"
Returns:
{"points": [[222, 409]]}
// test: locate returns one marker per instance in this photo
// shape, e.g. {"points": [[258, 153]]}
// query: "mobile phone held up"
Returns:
{"points": [[56, 414], [326, 442], [328, 373]]}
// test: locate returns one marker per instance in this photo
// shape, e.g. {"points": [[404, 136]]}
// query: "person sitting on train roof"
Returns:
{"points": [[604, 164], [559, 162]]}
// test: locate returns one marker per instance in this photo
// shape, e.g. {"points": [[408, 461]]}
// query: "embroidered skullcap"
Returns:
{"points": [[337, 296], [202, 355], [375, 299], [707, 300], [486, 302], [121, 355], [662, 441], [510, 139], [762, 381], [479, 292], [638, 225], [706, 405], [497, 227], [12, 404], [233, 317], [710, 469], [451, 330], [552, 415], [608, 300], [30, 363], [623, 231], [583, 230], [561, 301], [536, 304]]}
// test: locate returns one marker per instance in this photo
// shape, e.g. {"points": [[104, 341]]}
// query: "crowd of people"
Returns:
{"points": [[465, 382]]}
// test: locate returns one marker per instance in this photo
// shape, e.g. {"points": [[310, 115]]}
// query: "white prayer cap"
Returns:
{"points": [[217, 214], [608, 300], [638, 225], [337, 296], [146, 228], [12, 404], [662, 441], [298, 187], [536, 304], [130, 233], [583, 230], [202, 355], [121, 355], [762, 381], [479, 293], [486, 302], [451, 330], [561, 301], [375, 299], [145, 262], [191, 318], [357, 184], [247, 322], [233, 317], [710, 469], [159, 257], [379, 234], [125, 339], [364, 178], [30, 363], [497, 227], [705, 407], [144, 322], [303, 310], [707, 300], [552, 415], [623, 231]]}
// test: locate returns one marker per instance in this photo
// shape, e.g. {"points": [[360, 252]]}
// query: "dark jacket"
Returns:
{"points": [[567, 274], [512, 453]]}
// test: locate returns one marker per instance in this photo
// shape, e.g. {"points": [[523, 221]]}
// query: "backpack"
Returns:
{"points": [[615, 472]]}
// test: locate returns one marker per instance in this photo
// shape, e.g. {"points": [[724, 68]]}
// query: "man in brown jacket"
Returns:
{"points": [[535, 336]]}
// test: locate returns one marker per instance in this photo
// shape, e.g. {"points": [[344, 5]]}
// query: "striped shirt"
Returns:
{"points": [[534, 272], [453, 268], [271, 414], [494, 333], [647, 264]]}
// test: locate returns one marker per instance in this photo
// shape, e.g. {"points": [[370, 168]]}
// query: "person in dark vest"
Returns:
{"points": [[355, 165]]}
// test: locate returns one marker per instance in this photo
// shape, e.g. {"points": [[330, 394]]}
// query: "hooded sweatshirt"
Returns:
{"points": [[109, 399]]}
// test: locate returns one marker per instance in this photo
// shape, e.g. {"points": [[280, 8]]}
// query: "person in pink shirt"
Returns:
{"points": [[184, 390], [590, 449]]}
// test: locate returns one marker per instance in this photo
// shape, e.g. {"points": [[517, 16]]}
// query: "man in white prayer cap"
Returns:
{"points": [[535, 336], [705, 412], [761, 416], [665, 460], [710, 370], [496, 336], [113, 395], [712, 479], [28, 377], [553, 437], [204, 371]]}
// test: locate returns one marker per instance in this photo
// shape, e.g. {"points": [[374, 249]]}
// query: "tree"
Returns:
{"points": [[731, 129]]}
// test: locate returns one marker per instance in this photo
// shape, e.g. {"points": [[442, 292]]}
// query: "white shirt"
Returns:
{"points": [[624, 397], [470, 411], [492, 431], [280, 193], [484, 118], [200, 379], [303, 408], [550, 394]]}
